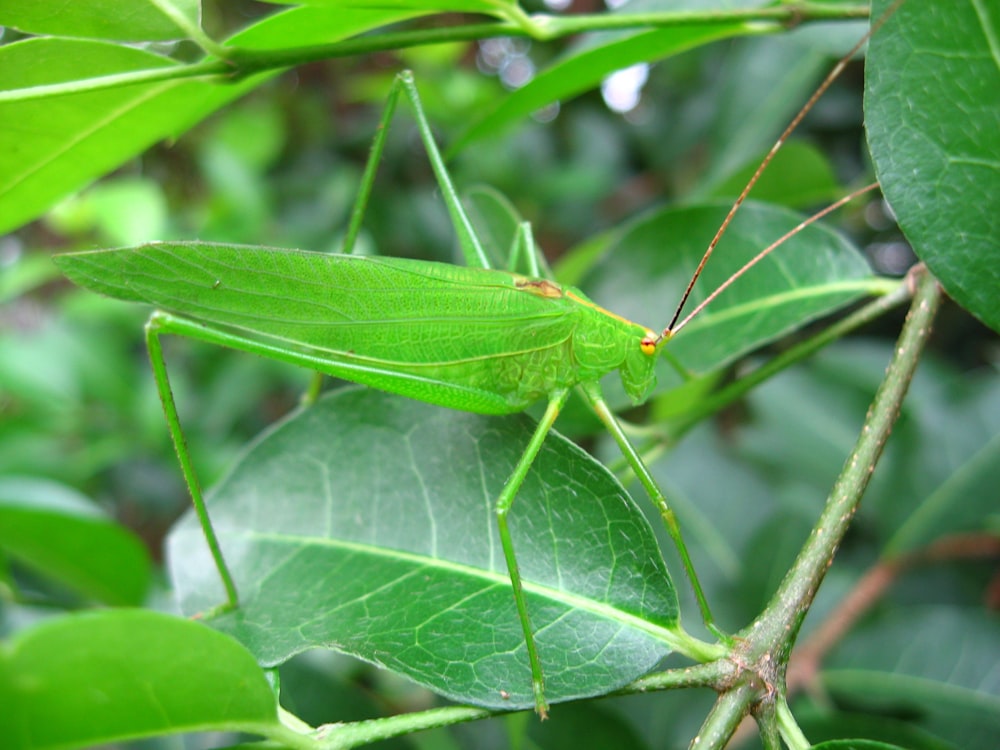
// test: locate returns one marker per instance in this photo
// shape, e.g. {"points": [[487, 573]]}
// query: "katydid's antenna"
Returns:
{"points": [[674, 327]]}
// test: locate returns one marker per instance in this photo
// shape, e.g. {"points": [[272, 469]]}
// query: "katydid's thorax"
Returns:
{"points": [[604, 342], [598, 342]]}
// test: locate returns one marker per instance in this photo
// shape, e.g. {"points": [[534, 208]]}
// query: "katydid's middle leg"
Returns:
{"points": [[596, 398], [504, 503]]}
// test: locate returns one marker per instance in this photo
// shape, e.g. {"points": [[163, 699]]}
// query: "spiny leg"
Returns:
{"points": [[556, 401], [593, 393], [153, 330]]}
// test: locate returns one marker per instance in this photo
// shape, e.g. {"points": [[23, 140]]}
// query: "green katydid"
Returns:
{"points": [[472, 338]]}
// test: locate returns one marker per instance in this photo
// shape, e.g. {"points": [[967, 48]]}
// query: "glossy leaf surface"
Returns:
{"points": [[366, 524], [121, 20], [64, 142], [934, 134]]}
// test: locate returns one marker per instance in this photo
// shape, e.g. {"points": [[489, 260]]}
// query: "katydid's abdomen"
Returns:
{"points": [[474, 339]]}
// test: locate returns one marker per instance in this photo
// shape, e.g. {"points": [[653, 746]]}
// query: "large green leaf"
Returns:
{"points": [[58, 533], [61, 143], [934, 133], [81, 680], [366, 524], [961, 503], [122, 20]]}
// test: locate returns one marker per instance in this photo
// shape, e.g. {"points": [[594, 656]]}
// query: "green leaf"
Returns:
{"points": [[309, 26], [644, 274], [61, 143], [586, 66], [122, 20], [825, 723], [59, 533], [934, 133], [962, 502], [366, 524], [100, 677]]}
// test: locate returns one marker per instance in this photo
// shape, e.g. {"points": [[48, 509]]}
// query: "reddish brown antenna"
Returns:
{"points": [[673, 326]]}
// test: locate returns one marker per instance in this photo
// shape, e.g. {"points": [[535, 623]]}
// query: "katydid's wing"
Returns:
{"points": [[391, 322]]}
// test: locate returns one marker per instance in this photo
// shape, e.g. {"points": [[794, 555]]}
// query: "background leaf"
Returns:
{"points": [[583, 68], [64, 142], [55, 531], [945, 679]]}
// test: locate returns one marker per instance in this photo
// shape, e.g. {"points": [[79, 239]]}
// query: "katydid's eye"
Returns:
{"points": [[648, 344]]}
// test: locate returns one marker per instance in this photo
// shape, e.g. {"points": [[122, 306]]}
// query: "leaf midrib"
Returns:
{"points": [[573, 601]]}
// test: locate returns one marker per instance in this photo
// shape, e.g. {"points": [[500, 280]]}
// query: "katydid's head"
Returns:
{"points": [[637, 370]]}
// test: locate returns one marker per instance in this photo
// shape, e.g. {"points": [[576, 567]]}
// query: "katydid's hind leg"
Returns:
{"points": [[472, 249], [154, 327], [504, 503], [593, 392]]}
